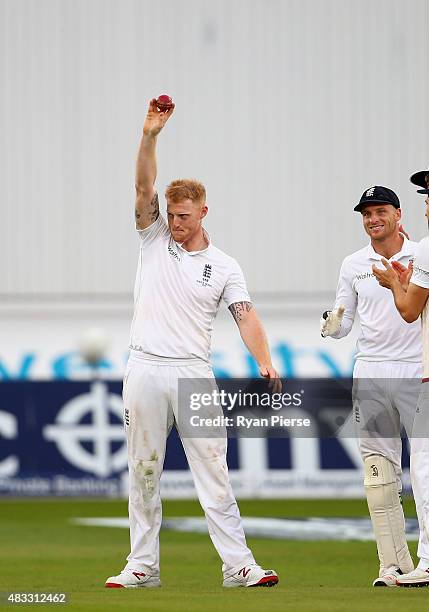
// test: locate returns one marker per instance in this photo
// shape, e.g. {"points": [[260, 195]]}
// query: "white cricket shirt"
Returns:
{"points": [[177, 295], [384, 335], [420, 278]]}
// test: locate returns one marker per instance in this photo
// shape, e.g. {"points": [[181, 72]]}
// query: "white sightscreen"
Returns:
{"points": [[286, 109]]}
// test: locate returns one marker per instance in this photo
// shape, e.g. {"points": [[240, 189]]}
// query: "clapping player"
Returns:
{"points": [[386, 373], [410, 292]]}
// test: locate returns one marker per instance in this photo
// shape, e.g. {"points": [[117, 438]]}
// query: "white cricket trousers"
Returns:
{"points": [[150, 407], [385, 395], [419, 471]]}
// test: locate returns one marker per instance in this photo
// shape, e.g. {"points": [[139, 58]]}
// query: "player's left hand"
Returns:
{"points": [[386, 278], [404, 273], [271, 374], [402, 231]]}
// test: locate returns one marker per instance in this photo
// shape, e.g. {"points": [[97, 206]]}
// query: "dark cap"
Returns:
{"points": [[419, 178], [378, 195]]}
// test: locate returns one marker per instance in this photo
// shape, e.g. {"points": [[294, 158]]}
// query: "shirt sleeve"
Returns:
{"points": [[156, 231], [346, 296], [235, 288], [420, 276]]}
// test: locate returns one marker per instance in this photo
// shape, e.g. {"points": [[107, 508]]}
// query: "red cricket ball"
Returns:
{"points": [[164, 102]]}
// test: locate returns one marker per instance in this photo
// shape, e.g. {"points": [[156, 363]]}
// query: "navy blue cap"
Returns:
{"points": [[421, 178], [378, 195]]}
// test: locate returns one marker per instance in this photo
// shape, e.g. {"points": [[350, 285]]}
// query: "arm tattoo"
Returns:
{"points": [[239, 309], [154, 208], [151, 213]]}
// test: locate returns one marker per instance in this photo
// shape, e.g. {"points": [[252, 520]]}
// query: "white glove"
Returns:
{"points": [[330, 321]]}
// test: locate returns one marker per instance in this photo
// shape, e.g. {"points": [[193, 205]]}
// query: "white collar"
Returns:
{"points": [[192, 253], [405, 251]]}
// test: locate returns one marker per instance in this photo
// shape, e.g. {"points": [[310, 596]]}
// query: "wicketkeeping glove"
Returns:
{"points": [[330, 321]]}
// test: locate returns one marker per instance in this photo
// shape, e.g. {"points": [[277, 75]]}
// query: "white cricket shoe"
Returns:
{"points": [[388, 578], [416, 578], [128, 579], [251, 576]]}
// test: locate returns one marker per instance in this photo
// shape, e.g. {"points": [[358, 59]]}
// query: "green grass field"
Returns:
{"points": [[41, 551]]}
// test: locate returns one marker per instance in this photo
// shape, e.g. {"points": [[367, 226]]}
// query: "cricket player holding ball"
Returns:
{"points": [[181, 279], [410, 292], [386, 373]]}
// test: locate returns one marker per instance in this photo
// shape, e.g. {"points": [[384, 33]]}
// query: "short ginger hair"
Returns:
{"points": [[186, 189]]}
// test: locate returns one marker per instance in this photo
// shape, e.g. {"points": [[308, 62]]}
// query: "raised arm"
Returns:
{"points": [[147, 206], [253, 336]]}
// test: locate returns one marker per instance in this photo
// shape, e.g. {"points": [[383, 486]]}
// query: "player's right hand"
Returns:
{"points": [[389, 277], [330, 322], [156, 119]]}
